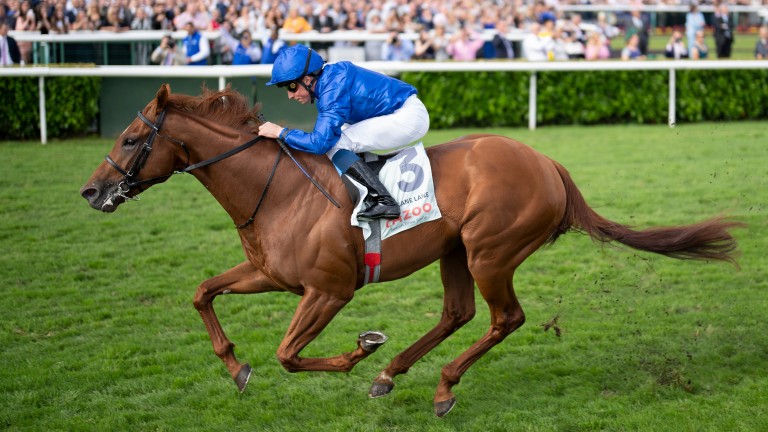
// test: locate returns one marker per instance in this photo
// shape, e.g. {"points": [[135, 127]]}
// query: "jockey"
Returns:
{"points": [[359, 110]]}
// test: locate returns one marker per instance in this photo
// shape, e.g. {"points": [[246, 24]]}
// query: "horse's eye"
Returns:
{"points": [[129, 142]]}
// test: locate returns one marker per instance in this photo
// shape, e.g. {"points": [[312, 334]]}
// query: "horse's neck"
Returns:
{"points": [[228, 180]]}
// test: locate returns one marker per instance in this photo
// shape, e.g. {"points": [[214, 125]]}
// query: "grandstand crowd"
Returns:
{"points": [[435, 29]]}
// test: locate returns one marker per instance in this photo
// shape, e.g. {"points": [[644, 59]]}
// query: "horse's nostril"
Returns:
{"points": [[88, 192]]}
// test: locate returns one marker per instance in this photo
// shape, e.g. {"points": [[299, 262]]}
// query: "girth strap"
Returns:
{"points": [[372, 258]]}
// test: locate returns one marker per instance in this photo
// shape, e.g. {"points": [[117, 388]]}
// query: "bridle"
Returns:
{"points": [[130, 180], [129, 176]]}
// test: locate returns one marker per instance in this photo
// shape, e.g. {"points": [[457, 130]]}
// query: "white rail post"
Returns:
{"points": [[222, 82], [43, 122], [532, 102], [672, 96]]}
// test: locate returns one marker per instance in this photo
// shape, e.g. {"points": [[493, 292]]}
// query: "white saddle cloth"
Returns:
{"points": [[408, 178]]}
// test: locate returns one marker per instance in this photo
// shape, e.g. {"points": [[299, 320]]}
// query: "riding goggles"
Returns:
{"points": [[291, 86]]}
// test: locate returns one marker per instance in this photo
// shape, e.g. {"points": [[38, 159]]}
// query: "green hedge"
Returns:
{"points": [[472, 99], [71, 103]]}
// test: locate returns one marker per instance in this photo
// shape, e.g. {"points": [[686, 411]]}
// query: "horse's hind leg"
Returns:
{"points": [[506, 316], [241, 279], [458, 309]]}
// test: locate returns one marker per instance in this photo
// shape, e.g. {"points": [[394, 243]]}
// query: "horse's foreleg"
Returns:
{"points": [[458, 309], [506, 316], [242, 279], [315, 311]]}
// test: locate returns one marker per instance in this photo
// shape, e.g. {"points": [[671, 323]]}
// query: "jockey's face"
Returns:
{"points": [[301, 95]]}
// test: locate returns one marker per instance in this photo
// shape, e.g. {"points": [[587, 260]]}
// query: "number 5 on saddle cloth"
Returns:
{"points": [[407, 175]]}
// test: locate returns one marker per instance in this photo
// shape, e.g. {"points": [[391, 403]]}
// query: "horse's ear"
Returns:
{"points": [[162, 97]]}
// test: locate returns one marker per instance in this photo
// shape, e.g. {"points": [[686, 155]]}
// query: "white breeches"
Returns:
{"points": [[406, 125]]}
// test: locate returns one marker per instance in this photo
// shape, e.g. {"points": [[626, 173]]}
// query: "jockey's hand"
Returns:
{"points": [[270, 130]]}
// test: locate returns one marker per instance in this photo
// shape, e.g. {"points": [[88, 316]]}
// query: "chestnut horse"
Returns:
{"points": [[500, 202]]}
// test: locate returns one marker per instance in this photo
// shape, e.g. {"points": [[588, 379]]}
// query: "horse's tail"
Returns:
{"points": [[707, 240]]}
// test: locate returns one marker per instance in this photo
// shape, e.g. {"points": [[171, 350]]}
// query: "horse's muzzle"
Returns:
{"points": [[101, 198]]}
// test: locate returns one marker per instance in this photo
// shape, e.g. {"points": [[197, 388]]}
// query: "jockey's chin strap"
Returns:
{"points": [[309, 88]]}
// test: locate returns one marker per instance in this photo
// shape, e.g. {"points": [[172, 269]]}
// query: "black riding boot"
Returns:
{"points": [[379, 202]]}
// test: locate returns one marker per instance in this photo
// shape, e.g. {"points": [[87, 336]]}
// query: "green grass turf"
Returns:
{"points": [[99, 333]]}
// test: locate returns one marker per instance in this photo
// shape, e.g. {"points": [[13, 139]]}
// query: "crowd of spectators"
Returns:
{"points": [[436, 29]]}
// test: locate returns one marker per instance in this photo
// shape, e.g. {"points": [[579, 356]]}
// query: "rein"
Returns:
{"points": [[129, 180], [263, 194], [282, 145]]}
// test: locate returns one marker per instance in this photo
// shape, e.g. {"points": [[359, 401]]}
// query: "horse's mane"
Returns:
{"points": [[227, 107]]}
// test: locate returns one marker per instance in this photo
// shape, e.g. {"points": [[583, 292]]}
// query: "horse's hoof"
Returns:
{"points": [[370, 341], [380, 389], [444, 407], [242, 377]]}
